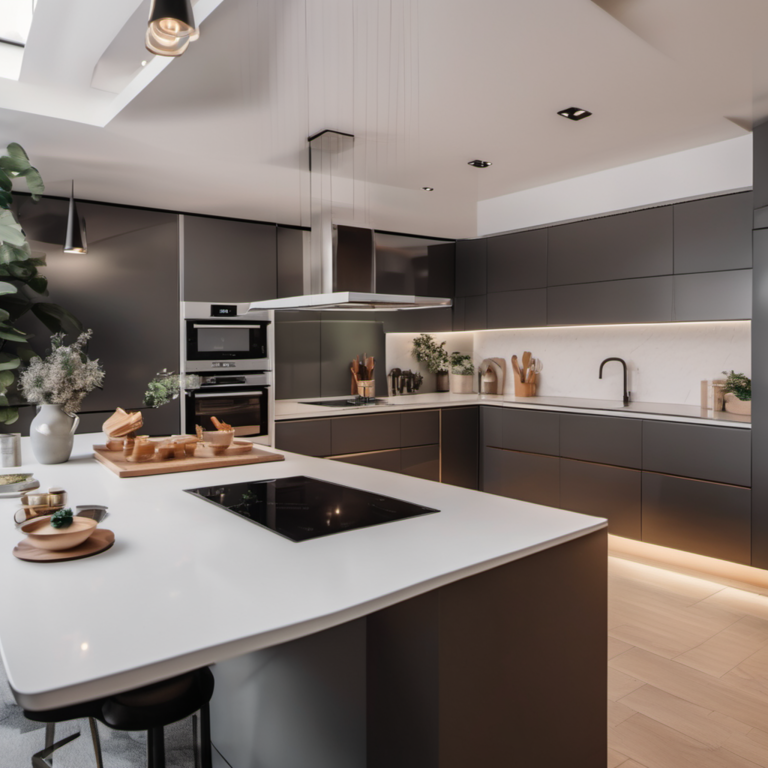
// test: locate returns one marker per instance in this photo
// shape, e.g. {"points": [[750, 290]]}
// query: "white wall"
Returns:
{"points": [[399, 346], [666, 362], [709, 170]]}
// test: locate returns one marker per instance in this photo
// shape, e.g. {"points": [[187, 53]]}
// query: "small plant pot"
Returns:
{"points": [[740, 407], [462, 384]]}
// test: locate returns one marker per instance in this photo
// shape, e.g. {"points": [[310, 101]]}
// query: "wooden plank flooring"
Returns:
{"points": [[687, 670]]}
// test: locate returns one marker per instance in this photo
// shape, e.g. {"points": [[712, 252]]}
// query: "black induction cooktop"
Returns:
{"points": [[302, 508]]}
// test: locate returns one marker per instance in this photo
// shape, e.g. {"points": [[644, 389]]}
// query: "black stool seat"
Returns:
{"points": [[149, 709]]}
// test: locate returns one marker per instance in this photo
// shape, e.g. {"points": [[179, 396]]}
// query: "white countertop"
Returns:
{"points": [[188, 584], [298, 409]]}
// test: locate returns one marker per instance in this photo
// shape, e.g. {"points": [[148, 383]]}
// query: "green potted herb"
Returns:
{"points": [[426, 350], [738, 393], [462, 373]]}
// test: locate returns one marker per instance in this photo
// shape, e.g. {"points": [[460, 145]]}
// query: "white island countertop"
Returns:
{"points": [[188, 584], [286, 410]]}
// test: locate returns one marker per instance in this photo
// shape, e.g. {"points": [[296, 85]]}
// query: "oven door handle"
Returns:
{"points": [[224, 327], [226, 394]]}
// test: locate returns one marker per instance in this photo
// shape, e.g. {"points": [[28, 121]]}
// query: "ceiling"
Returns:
{"points": [[424, 85]]}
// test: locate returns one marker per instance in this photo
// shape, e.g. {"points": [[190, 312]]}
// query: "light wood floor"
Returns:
{"points": [[687, 670]]}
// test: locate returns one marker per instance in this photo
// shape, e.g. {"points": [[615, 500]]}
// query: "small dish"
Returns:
{"points": [[44, 503], [41, 534], [219, 437], [209, 450]]}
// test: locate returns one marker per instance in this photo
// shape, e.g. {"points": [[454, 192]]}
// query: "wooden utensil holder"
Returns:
{"points": [[525, 390]]}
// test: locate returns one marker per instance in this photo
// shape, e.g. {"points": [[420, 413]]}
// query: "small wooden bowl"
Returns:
{"points": [[209, 450], [43, 535], [219, 437]]}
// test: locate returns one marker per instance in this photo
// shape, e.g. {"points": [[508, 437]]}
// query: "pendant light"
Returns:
{"points": [[171, 27], [75, 241]]}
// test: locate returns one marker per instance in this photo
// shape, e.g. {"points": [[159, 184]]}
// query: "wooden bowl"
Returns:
{"points": [[43, 535], [219, 437]]}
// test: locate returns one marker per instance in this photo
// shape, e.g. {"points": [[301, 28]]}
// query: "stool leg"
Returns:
{"points": [[50, 734], [205, 737], [155, 748], [96, 742], [38, 759]]}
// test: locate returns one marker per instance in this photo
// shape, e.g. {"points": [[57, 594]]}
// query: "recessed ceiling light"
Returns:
{"points": [[428, 189], [479, 163], [574, 113]]}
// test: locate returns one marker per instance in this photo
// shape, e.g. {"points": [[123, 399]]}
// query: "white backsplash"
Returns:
{"points": [[666, 361]]}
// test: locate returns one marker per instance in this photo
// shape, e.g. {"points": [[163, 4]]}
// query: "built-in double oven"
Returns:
{"points": [[228, 362]]}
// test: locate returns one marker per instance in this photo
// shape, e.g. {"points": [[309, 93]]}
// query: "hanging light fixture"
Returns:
{"points": [[75, 241], [171, 27]]}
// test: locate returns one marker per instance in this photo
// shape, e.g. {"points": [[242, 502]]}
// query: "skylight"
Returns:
{"points": [[16, 20]]}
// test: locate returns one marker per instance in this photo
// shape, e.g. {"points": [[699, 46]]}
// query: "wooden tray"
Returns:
{"points": [[99, 541], [115, 461]]}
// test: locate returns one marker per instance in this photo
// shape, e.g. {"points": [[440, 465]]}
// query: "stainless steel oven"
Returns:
{"points": [[230, 349], [225, 337], [240, 400]]}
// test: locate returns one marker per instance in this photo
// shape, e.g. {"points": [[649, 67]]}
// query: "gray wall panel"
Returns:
{"points": [[340, 341], [297, 355], [714, 296], [290, 261]]}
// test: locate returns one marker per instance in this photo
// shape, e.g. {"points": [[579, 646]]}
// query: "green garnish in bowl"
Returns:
{"points": [[13, 479], [62, 518]]}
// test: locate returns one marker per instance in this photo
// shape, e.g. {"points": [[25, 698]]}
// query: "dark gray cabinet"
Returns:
{"points": [[695, 516], [229, 260], [290, 260], [459, 446], [471, 267], [713, 296], [297, 355], [523, 476], [517, 309], [311, 437], [714, 234], [603, 491], [386, 460], [491, 426], [602, 439], [636, 244], [459, 313], [475, 313], [421, 461], [531, 431], [357, 434], [643, 300], [517, 261], [719, 454], [419, 428]]}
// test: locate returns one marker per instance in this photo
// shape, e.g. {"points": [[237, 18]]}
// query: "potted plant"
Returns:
{"points": [[462, 373], [426, 350], [738, 393], [58, 384], [166, 387]]}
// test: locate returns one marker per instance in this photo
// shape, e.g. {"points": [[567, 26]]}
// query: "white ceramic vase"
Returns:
{"points": [[462, 384], [52, 433]]}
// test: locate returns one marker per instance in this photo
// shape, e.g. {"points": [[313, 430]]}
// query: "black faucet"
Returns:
{"points": [[618, 360]]}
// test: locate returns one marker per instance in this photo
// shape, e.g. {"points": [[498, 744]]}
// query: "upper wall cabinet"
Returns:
{"points": [[714, 234], [228, 260], [517, 261], [637, 244], [471, 258]]}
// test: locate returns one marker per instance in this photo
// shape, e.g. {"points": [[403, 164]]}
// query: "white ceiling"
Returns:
{"points": [[425, 86]]}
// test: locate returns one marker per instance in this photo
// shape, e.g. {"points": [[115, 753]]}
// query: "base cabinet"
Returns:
{"points": [[604, 491], [459, 447], [421, 461], [697, 516], [523, 476], [387, 460]]}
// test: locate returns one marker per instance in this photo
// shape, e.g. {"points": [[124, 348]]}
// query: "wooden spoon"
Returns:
{"points": [[516, 368]]}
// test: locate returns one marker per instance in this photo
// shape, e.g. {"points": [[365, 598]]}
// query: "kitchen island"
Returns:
{"points": [[484, 625]]}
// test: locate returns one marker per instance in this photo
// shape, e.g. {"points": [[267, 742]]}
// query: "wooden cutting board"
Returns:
{"points": [[115, 461]]}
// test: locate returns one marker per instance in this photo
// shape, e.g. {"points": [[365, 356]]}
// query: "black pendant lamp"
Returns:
{"points": [[171, 27], [75, 241]]}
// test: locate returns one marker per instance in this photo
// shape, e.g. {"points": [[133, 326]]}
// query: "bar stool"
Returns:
{"points": [[148, 709]]}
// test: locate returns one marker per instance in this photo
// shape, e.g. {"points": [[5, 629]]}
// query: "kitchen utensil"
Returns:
{"points": [[526, 360], [99, 541], [42, 535], [518, 374]]}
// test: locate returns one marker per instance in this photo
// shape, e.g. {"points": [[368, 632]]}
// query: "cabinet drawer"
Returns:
{"points": [[311, 437], [422, 461], [387, 460], [531, 431], [695, 516], [602, 439], [719, 454], [524, 476], [419, 427], [603, 491], [357, 434]]}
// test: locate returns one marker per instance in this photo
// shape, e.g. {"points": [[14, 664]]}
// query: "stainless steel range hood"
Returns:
{"points": [[341, 273]]}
